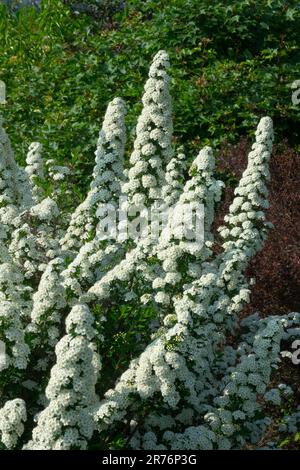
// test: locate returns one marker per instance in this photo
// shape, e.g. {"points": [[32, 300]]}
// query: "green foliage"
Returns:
{"points": [[232, 61]]}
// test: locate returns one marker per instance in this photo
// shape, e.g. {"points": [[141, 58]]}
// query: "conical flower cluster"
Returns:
{"points": [[122, 321]]}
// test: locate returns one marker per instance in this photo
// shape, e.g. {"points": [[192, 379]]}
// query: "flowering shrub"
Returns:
{"points": [[276, 267], [15, 5], [135, 341]]}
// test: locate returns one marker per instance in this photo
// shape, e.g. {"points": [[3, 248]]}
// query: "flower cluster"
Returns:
{"points": [[35, 168], [152, 146], [180, 257], [13, 306], [139, 339]]}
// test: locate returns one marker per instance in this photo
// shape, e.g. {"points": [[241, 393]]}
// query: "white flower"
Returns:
{"points": [[12, 418]]}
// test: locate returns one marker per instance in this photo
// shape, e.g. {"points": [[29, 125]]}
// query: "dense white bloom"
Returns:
{"points": [[107, 177], [12, 418], [251, 192], [57, 172], [45, 210], [17, 182], [187, 339], [67, 423], [174, 178], [48, 301], [174, 250], [35, 169], [34, 241], [13, 305], [273, 396], [69, 291]]}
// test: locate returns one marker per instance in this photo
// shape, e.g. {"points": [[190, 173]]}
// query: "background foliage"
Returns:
{"points": [[232, 62]]}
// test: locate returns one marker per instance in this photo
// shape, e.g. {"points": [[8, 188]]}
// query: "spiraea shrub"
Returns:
{"points": [[110, 342]]}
